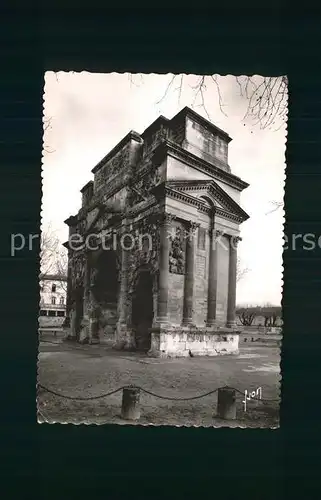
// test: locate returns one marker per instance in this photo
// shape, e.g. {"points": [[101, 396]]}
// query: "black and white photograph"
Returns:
{"points": [[161, 248]]}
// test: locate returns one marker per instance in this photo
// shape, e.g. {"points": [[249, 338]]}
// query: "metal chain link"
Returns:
{"points": [[90, 398], [75, 398]]}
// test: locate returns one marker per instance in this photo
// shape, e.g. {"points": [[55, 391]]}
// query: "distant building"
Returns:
{"points": [[53, 291]]}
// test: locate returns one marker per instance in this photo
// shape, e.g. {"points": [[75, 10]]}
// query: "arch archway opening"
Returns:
{"points": [[143, 311], [105, 284], [105, 291]]}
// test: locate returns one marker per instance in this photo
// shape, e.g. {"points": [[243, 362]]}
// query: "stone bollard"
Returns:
{"points": [[130, 404], [226, 403]]}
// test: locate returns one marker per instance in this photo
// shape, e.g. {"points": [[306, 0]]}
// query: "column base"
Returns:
{"points": [[161, 323], [188, 323], [84, 334], [231, 324], [175, 342], [124, 338], [70, 338]]}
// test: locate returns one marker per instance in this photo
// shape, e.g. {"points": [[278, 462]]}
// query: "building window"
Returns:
{"points": [[53, 300], [53, 288], [62, 301], [51, 313], [60, 313], [43, 312]]}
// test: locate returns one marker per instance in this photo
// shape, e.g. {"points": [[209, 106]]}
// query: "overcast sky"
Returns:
{"points": [[90, 113]]}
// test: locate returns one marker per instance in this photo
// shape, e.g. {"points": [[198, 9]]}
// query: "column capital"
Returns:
{"points": [[193, 225], [166, 218], [234, 241]]}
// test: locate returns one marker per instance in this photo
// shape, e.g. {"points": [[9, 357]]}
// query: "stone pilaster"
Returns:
{"points": [[189, 275], [231, 299], [162, 299], [212, 278]]}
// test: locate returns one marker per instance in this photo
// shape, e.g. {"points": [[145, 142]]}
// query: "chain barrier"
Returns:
{"points": [[168, 398]]}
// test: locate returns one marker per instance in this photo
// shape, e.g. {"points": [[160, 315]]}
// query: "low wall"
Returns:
{"points": [[183, 343], [260, 329]]}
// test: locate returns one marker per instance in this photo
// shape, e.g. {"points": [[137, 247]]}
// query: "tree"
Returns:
{"points": [[53, 255], [271, 314], [247, 314], [240, 270], [266, 96]]}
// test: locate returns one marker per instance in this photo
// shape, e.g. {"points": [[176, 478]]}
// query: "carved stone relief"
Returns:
{"points": [[113, 167], [146, 250], [176, 252], [151, 143], [78, 271], [140, 190]]}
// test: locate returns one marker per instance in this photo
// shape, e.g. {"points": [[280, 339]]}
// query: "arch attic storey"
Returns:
{"points": [[155, 269]]}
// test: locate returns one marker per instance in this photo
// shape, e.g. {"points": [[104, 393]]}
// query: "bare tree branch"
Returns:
{"points": [[241, 271], [47, 126], [220, 102], [167, 89], [131, 79], [266, 96], [53, 256], [267, 100], [277, 205]]}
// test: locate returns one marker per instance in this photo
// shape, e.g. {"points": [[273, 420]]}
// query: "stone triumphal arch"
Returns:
{"points": [[153, 249]]}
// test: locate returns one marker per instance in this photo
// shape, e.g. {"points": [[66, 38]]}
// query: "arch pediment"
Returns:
{"points": [[208, 194]]}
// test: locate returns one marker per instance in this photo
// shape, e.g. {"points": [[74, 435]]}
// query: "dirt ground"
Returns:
{"points": [[87, 371]]}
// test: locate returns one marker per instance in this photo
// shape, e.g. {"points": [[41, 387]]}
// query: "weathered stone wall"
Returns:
{"points": [[201, 277], [204, 144], [114, 166], [107, 323], [117, 201], [177, 133], [175, 298], [222, 280], [154, 139], [178, 343], [178, 170]]}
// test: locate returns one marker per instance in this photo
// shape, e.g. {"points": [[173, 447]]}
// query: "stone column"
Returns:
{"points": [[189, 275], [85, 328], [86, 285], [162, 300], [212, 278], [123, 339], [73, 324], [231, 299]]}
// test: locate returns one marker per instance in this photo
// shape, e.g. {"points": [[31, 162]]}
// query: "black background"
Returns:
{"points": [[65, 461]]}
